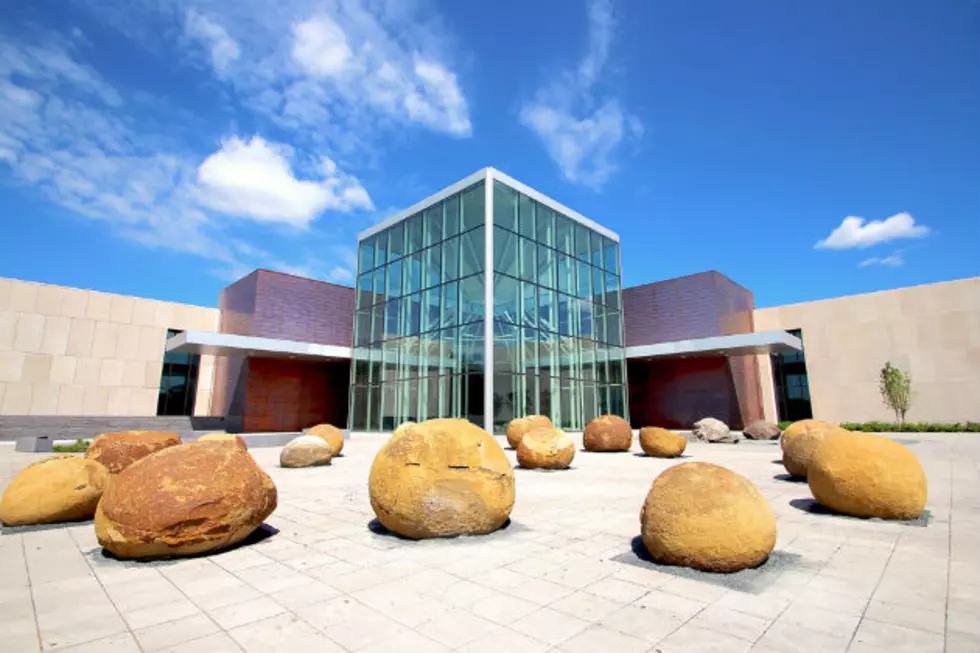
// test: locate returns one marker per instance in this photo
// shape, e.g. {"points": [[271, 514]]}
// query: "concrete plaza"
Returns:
{"points": [[563, 576]]}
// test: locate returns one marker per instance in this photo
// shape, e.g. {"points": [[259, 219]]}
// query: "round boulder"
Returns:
{"points": [[707, 517], [330, 434], [119, 450], [57, 489], [306, 451], [545, 448], [761, 430], [441, 478], [185, 500], [237, 440], [661, 443], [710, 429], [800, 440], [867, 475], [518, 428], [607, 433]]}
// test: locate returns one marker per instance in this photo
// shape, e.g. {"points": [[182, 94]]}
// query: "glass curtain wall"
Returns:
{"points": [[419, 318], [178, 382], [557, 316]]}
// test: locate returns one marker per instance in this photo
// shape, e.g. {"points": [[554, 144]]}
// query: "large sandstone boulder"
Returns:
{"points": [[119, 450], [184, 500], [761, 430], [710, 429], [228, 438], [441, 478], [330, 434], [545, 448], [306, 451], [800, 440], [707, 517], [867, 475], [57, 489], [518, 428], [661, 443], [607, 433]]}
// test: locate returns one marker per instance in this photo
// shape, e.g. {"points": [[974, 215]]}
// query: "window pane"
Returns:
{"points": [[432, 224], [472, 299], [396, 241], [587, 352], [564, 315], [471, 347], [566, 274], [584, 280], [378, 323], [389, 357], [450, 304], [413, 273], [547, 318], [381, 249], [610, 256], [433, 267], [545, 225], [473, 203], [394, 288], [598, 283], [546, 266], [450, 351], [547, 353], [451, 216], [612, 290], [596, 250], [472, 398], [582, 238], [450, 259], [379, 285], [504, 206], [506, 348], [392, 316], [528, 266], [413, 316], [413, 233], [529, 350], [431, 312], [599, 322], [585, 323], [504, 251], [529, 305], [365, 290], [564, 234], [506, 301], [375, 366], [525, 217], [359, 408], [473, 252], [362, 327], [505, 392], [614, 328], [365, 259]]}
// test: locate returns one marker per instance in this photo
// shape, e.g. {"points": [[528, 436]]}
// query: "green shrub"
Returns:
{"points": [[910, 427], [783, 425], [78, 446]]}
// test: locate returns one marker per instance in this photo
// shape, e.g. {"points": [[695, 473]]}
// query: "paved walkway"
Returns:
{"points": [[561, 577]]}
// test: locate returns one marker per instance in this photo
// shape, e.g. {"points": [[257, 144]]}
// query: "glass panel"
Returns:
{"points": [[379, 285], [396, 241], [564, 315], [450, 304], [394, 279], [529, 350], [375, 366], [413, 317], [388, 406], [473, 203], [506, 301], [582, 237], [564, 234], [392, 316], [612, 290], [529, 305], [473, 252], [615, 366], [610, 255], [584, 280], [599, 323], [598, 283], [361, 369], [566, 274], [528, 266], [365, 259], [359, 408], [614, 328], [378, 323], [449, 351], [545, 220], [506, 390], [381, 249], [431, 313], [506, 348], [546, 267], [471, 348], [472, 399], [526, 216], [547, 352], [365, 290], [547, 315], [432, 224], [587, 352], [389, 358], [504, 206], [596, 250], [451, 220], [601, 357], [413, 233], [471, 299], [585, 324], [374, 408], [432, 267], [450, 259], [362, 327], [504, 251]]}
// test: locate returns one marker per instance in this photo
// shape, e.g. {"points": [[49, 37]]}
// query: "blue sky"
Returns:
{"points": [[165, 148]]}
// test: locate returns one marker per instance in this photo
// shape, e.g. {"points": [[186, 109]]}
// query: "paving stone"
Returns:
{"points": [[165, 635], [285, 633], [239, 614], [737, 624], [694, 639], [502, 608], [550, 626], [873, 636], [596, 639], [456, 628], [120, 643]]}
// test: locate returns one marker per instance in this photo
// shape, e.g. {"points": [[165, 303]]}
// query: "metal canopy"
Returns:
{"points": [[228, 344], [761, 342]]}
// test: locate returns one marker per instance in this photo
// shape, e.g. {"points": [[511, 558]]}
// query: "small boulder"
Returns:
{"points": [[867, 475], [518, 428], [800, 440], [306, 451], [710, 429], [545, 448], [661, 443], [184, 500], [231, 438], [330, 434], [441, 478], [119, 450], [761, 430], [707, 517], [57, 489], [607, 433]]}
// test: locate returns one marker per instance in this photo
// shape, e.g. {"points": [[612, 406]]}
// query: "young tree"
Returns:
{"points": [[896, 390]]}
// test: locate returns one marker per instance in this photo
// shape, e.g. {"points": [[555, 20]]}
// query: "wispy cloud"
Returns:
{"points": [[895, 260], [854, 232], [581, 131], [223, 49]]}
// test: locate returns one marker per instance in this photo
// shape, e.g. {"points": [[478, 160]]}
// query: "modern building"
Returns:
{"points": [[487, 300]]}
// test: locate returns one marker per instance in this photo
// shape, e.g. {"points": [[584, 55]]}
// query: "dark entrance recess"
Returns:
{"points": [[791, 385], [178, 382]]}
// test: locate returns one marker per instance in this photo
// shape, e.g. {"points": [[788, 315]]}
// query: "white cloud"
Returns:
{"points": [[253, 179], [224, 49], [580, 132], [853, 232], [340, 274], [320, 47], [895, 260]]}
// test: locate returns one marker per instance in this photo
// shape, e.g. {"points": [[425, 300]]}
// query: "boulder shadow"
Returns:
{"points": [[778, 461], [789, 478], [811, 506], [525, 470], [640, 454], [263, 532], [376, 527]]}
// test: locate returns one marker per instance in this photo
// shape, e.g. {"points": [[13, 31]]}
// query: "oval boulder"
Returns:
{"points": [[607, 433], [119, 450], [57, 489], [521, 426], [800, 440], [329, 434], [661, 443], [545, 448]]}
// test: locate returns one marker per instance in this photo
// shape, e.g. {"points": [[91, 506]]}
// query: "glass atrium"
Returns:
{"points": [[421, 318]]}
